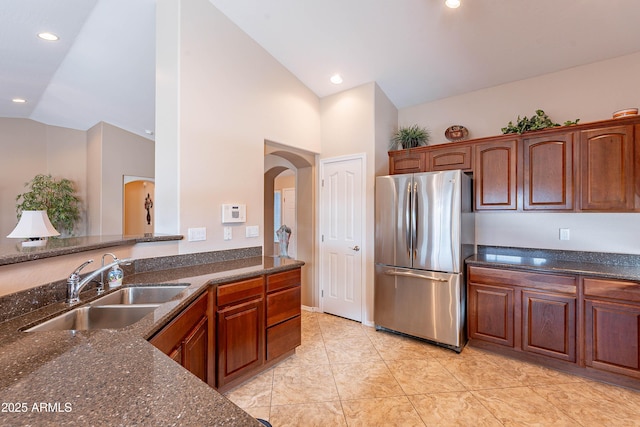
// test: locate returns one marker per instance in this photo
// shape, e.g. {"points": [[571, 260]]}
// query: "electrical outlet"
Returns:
{"points": [[197, 234], [227, 233], [564, 234]]}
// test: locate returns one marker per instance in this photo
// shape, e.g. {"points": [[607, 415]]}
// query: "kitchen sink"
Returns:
{"points": [[96, 317], [140, 295]]}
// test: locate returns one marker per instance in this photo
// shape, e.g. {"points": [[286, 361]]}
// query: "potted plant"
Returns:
{"points": [[56, 196], [408, 137], [536, 122]]}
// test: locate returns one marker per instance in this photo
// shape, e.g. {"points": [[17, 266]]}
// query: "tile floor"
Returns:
{"points": [[346, 374]]}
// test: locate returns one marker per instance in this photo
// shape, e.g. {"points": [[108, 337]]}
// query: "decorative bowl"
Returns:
{"points": [[625, 113]]}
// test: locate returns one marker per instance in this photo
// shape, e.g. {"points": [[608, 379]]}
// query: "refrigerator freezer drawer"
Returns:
{"points": [[423, 304]]}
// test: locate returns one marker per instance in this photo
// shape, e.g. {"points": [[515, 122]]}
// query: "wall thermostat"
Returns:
{"points": [[234, 213]]}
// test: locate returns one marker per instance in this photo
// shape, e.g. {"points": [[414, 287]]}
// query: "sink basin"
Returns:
{"points": [[94, 317], [140, 295]]}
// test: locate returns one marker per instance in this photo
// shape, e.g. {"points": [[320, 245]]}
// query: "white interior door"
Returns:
{"points": [[341, 208], [289, 218]]}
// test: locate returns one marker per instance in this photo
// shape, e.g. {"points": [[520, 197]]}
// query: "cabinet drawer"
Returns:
{"points": [[170, 337], [283, 280], [239, 291], [525, 279], [283, 305], [618, 289], [284, 337]]}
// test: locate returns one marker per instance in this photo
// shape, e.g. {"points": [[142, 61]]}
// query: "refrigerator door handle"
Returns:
{"points": [[414, 220], [413, 275], [407, 220]]}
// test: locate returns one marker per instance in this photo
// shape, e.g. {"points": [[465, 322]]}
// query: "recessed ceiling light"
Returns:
{"points": [[48, 36], [453, 4], [19, 100], [336, 79], [148, 131]]}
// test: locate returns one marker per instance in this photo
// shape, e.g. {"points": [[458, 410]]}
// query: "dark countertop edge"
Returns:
{"points": [[226, 413], [49, 252], [606, 271]]}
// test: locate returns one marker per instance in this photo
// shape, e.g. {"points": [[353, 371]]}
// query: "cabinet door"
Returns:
{"points": [[606, 169], [613, 337], [240, 339], [549, 325], [448, 158], [196, 350], [548, 172], [407, 161], [491, 314], [495, 175]]}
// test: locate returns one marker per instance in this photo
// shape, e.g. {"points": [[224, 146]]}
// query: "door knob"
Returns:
{"points": [[356, 248]]}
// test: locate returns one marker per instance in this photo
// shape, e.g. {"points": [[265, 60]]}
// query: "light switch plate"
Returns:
{"points": [[227, 233], [565, 234], [197, 234], [252, 231]]}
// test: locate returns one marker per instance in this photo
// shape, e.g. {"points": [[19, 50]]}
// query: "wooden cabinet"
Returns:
{"points": [[549, 324], [448, 157], [240, 329], [407, 161], [284, 323], [607, 169], [491, 313], [612, 326], [186, 340], [526, 311], [494, 175], [548, 172], [586, 167]]}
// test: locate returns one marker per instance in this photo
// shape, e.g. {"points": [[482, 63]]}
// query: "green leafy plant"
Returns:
{"points": [[56, 196], [536, 122], [410, 137]]}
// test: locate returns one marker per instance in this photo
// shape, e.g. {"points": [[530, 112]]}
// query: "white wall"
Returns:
{"points": [[112, 153], [232, 96], [590, 93], [360, 120], [30, 148]]}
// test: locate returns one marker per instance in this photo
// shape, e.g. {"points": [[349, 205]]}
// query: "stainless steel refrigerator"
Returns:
{"points": [[424, 230]]}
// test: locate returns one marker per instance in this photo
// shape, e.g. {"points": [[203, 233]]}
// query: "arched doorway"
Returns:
{"points": [[293, 171], [137, 205]]}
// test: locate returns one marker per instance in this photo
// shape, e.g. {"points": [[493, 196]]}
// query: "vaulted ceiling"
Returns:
{"points": [[103, 66]]}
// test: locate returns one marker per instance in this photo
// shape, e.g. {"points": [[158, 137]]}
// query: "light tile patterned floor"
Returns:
{"points": [[346, 374]]}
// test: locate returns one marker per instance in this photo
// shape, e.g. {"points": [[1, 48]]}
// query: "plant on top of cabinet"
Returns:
{"points": [[56, 196], [536, 122], [410, 137]]}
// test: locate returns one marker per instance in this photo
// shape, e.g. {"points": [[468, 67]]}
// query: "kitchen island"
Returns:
{"points": [[116, 377]]}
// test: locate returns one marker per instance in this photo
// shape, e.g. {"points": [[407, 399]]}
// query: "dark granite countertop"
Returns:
{"points": [[593, 264], [115, 377], [12, 252]]}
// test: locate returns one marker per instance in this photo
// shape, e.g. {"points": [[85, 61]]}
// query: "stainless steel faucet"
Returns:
{"points": [[75, 285]]}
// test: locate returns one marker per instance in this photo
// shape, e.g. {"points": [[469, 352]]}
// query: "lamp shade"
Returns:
{"points": [[33, 225]]}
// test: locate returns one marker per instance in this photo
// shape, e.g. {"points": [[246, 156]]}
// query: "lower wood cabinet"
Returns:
{"points": [[240, 329], [589, 326], [549, 324], [235, 330], [491, 313], [284, 325], [186, 339], [612, 326], [525, 311]]}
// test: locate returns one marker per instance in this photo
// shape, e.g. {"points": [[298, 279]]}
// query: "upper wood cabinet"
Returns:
{"points": [[607, 169], [494, 175], [448, 158], [407, 161], [548, 172]]}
